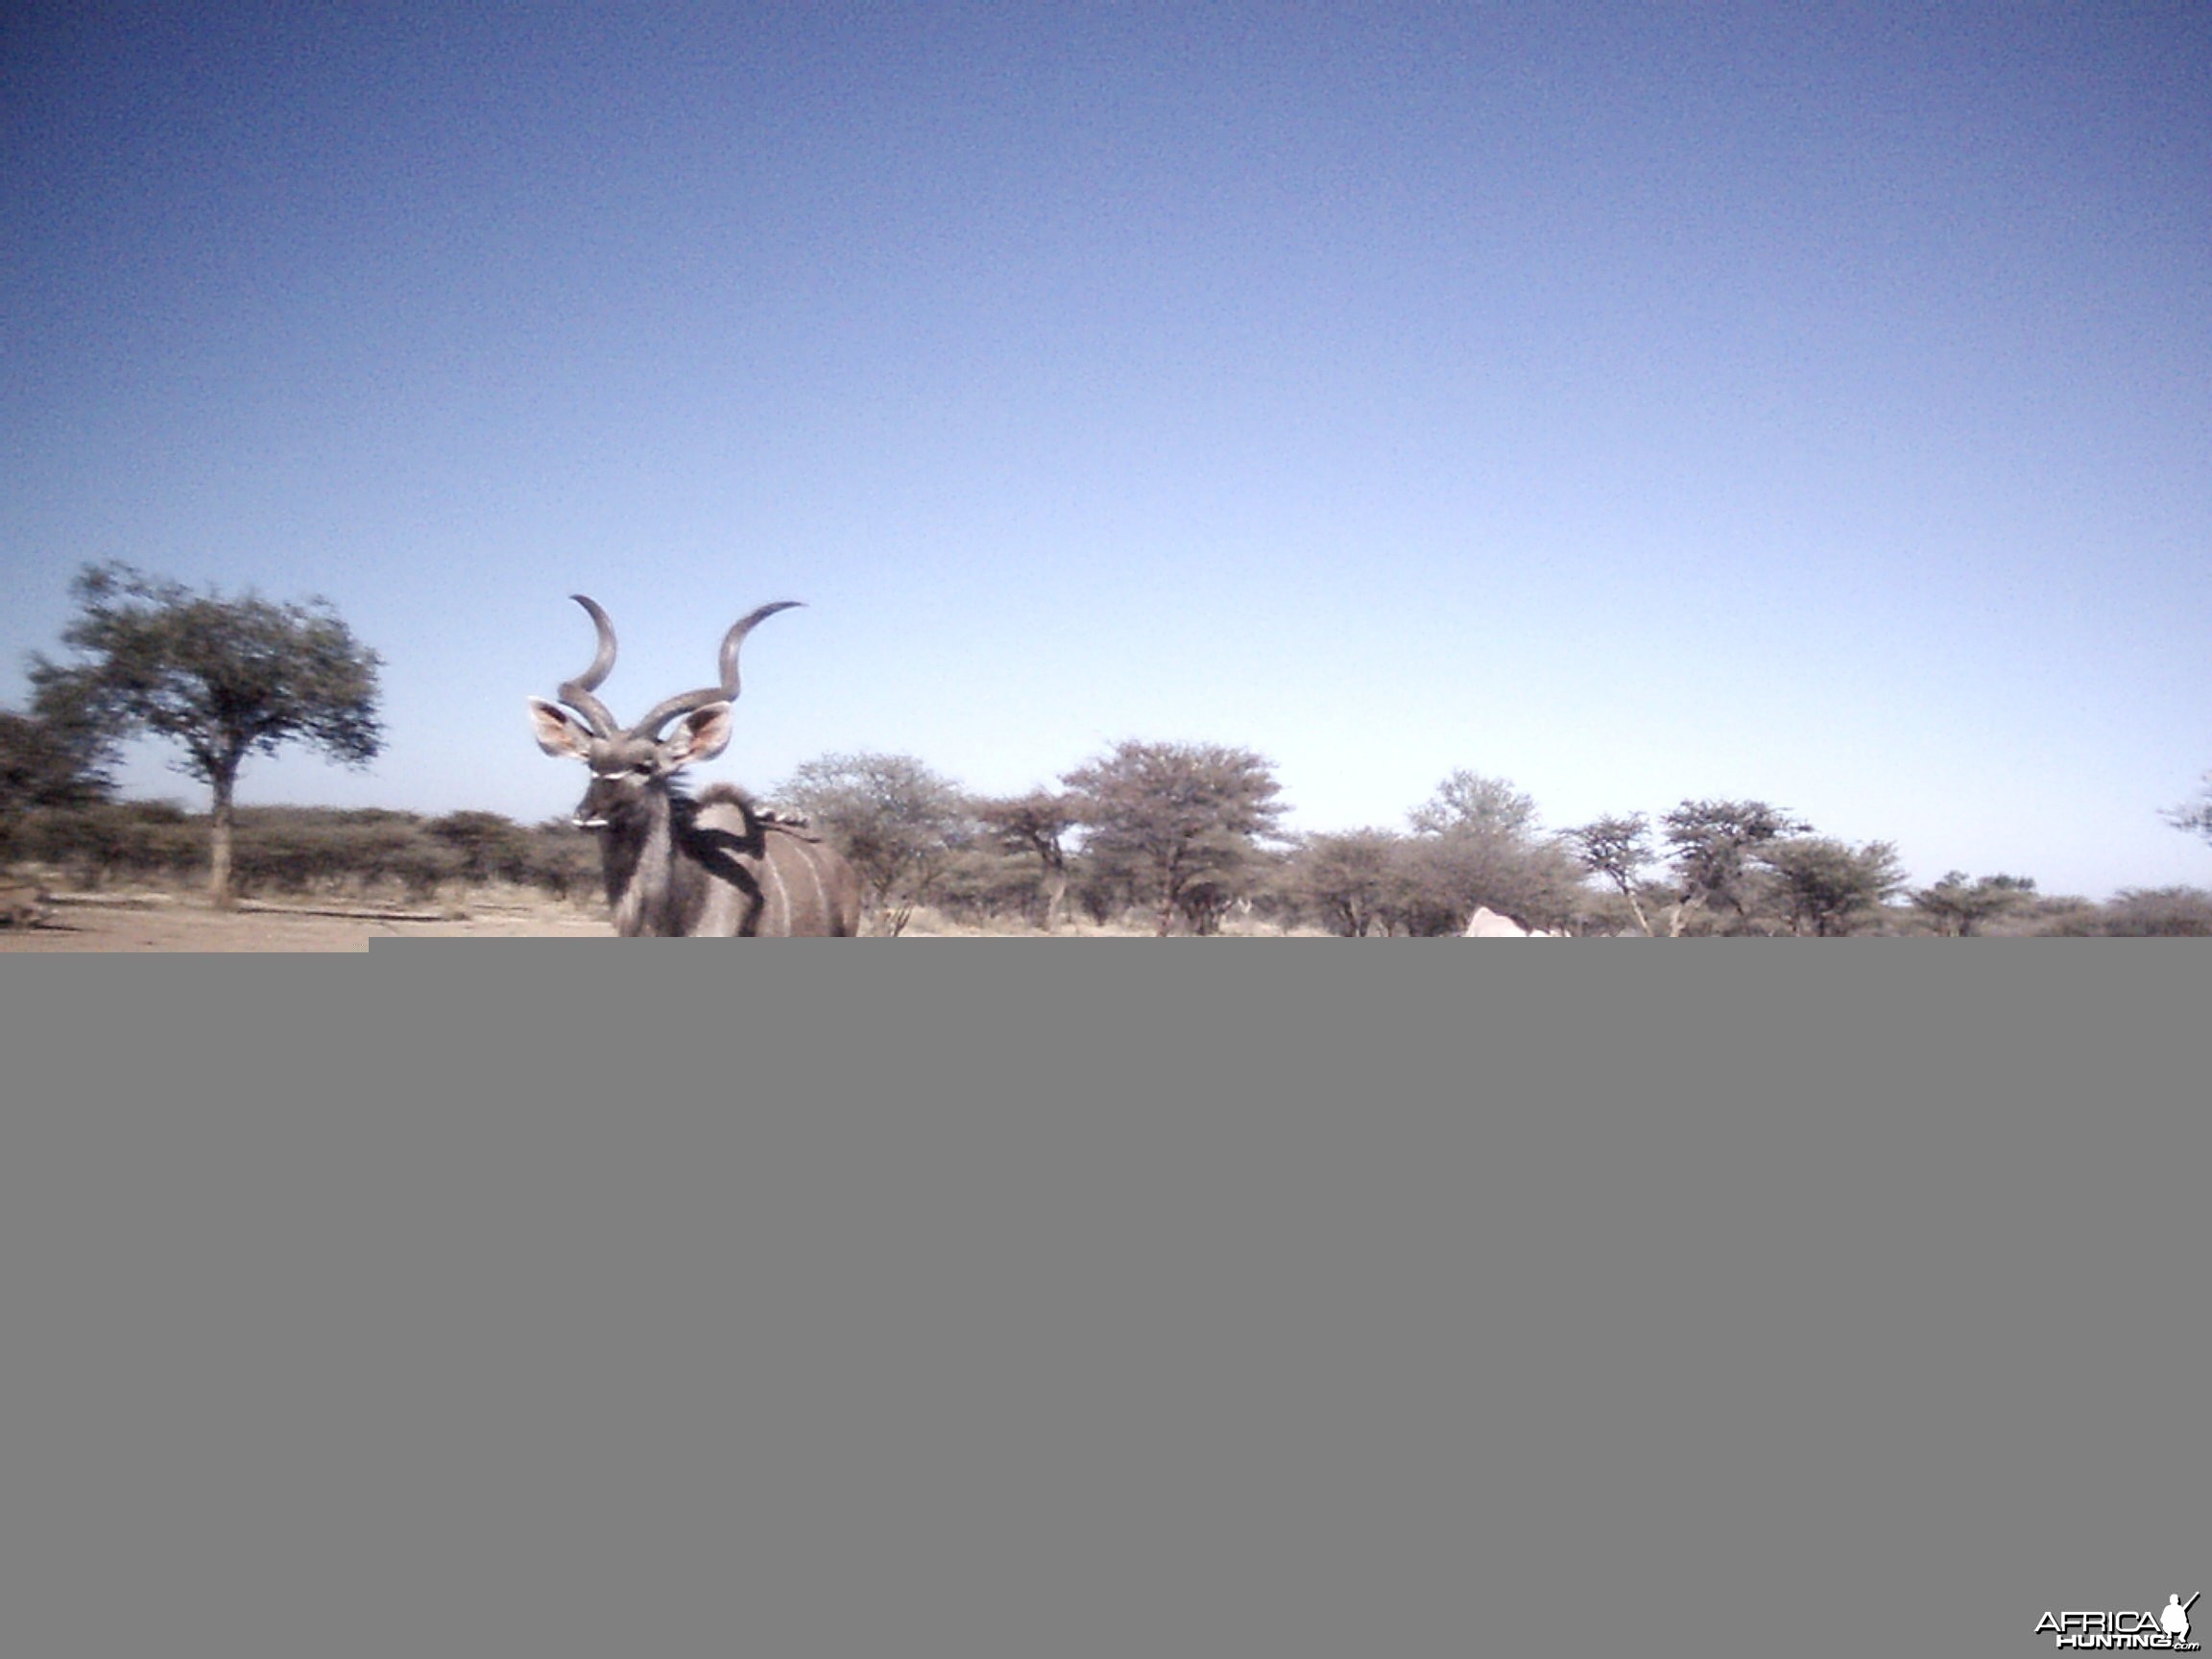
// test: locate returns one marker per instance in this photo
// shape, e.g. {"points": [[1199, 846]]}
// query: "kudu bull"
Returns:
{"points": [[715, 866]]}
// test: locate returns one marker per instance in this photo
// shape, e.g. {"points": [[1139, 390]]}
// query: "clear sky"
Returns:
{"points": [[1635, 401]]}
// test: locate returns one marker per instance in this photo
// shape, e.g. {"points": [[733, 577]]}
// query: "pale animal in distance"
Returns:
{"points": [[1487, 923]]}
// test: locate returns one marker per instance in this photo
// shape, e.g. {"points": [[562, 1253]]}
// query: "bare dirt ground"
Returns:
{"points": [[174, 923], [185, 922], [154, 918]]}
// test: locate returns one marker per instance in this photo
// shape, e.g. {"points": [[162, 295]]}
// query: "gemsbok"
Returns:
{"points": [[713, 866]]}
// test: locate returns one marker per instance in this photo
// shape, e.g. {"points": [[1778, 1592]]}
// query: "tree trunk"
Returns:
{"points": [[219, 893], [1642, 921], [1055, 897]]}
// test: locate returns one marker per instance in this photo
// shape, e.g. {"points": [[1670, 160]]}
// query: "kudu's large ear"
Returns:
{"points": [[558, 732], [700, 735]]}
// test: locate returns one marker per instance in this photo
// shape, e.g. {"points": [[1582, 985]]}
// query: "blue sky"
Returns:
{"points": [[1634, 401]]}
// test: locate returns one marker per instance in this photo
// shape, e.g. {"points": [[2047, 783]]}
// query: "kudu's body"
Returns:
{"points": [[718, 866]]}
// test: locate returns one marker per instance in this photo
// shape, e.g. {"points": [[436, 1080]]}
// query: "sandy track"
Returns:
{"points": [[182, 925]]}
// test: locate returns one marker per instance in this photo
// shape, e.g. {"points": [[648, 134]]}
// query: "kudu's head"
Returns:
{"points": [[631, 766]]}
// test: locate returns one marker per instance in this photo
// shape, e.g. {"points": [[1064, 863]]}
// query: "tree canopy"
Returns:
{"points": [[1469, 801], [1617, 849], [2195, 818], [894, 819], [1037, 822], [1476, 841], [222, 678], [1959, 907], [1826, 887], [42, 764], [1352, 879], [1179, 822], [1717, 845]]}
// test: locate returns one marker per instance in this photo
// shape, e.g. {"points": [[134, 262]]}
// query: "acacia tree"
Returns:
{"points": [[1475, 841], [1827, 887], [2195, 818], [1716, 844], [896, 820], [1468, 800], [1038, 823], [2158, 912], [1349, 878], [1616, 849], [224, 677], [1180, 821], [1958, 908], [43, 765]]}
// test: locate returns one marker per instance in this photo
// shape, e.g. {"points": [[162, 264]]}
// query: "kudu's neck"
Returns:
{"points": [[639, 863]]}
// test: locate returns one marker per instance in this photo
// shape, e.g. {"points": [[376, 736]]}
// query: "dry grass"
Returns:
{"points": [[930, 924]]}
